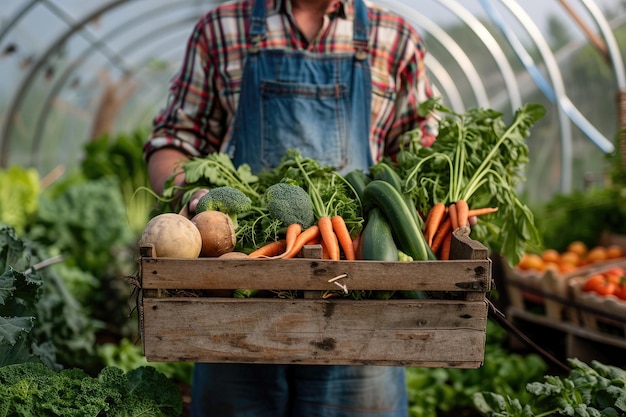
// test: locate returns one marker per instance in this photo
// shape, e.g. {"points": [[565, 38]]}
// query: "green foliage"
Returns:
{"points": [[289, 203], [19, 189], [20, 292], [589, 390], [435, 390], [122, 157], [85, 220], [582, 215], [32, 389], [128, 356], [480, 158]]}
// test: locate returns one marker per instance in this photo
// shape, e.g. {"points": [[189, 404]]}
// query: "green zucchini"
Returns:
{"points": [[358, 180], [385, 172], [376, 243], [408, 234]]}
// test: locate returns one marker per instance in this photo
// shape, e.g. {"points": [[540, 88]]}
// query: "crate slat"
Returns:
{"points": [[402, 332]]}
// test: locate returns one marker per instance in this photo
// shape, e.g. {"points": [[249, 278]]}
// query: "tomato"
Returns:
{"points": [[620, 292], [614, 274], [600, 284]]}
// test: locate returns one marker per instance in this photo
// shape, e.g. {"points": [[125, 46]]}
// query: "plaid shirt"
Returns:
{"points": [[203, 96]]}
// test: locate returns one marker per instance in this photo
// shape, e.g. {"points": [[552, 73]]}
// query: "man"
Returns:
{"points": [[340, 81]]}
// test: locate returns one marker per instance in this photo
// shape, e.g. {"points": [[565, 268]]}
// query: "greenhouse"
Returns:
{"points": [[502, 241]]}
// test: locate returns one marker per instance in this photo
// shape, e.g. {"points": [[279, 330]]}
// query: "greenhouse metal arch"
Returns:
{"points": [[63, 59]]}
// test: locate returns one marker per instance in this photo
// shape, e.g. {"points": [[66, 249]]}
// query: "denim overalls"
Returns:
{"points": [[320, 105]]}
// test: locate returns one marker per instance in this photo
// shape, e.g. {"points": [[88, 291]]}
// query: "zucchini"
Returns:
{"points": [[408, 234], [385, 172], [377, 243], [358, 180]]}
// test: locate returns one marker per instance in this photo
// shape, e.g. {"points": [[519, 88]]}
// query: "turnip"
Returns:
{"points": [[172, 235], [217, 233]]}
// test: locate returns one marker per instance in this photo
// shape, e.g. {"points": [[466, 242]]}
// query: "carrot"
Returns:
{"points": [[355, 244], [293, 230], [433, 220], [269, 249], [462, 209], [444, 253], [300, 241], [343, 236], [481, 211], [329, 237], [314, 241], [454, 218], [444, 230]]}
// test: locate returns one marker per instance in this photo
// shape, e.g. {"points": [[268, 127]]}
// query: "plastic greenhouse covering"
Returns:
{"points": [[74, 69]]}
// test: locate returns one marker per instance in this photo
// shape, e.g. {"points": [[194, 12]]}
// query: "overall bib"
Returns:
{"points": [[318, 104], [321, 106]]}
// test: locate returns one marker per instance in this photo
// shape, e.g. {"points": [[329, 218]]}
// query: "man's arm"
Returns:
{"points": [[163, 163]]}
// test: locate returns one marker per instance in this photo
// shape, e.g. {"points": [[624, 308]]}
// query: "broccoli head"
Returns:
{"points": [[228, 200], [289, 203]]}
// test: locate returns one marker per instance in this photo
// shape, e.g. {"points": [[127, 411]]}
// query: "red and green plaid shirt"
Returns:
{"points": [[203, 96]]}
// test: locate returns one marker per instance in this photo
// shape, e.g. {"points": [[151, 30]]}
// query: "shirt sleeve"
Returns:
{"points": [[192, 119], [413, 88]]}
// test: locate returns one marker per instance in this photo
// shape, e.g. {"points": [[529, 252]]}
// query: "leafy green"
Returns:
{"points": [[31, 389], [592, 389], [19, 189], [122, 157], [441, 389], [582, 215], [85, 220], [479, 158]]}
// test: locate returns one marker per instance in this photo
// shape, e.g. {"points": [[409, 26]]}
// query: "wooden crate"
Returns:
{"points": [[603, 314], [544, 293], [446, 330]]}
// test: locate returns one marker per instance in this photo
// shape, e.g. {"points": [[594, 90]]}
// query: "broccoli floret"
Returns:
{"points": [[226, 199], [289, 203]]}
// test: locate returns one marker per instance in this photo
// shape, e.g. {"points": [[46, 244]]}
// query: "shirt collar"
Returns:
{"points": [[345, 7]]}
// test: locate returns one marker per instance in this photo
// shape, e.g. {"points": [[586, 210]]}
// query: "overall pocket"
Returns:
{"points": [[307, 117]]}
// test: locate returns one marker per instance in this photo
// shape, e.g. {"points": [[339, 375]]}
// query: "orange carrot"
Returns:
{"points": [[329, 237], [454, 218], [325, 254], [300, 241], [293, 230], [433, 220], [355, 244], [316, 240], [444, 230], [462, 210], [269, 249], [343, 236], [444, 253], [481, 211]]}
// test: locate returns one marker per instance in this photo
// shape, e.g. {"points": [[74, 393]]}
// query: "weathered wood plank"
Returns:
{"points": [[404, 332], [309, 274]]}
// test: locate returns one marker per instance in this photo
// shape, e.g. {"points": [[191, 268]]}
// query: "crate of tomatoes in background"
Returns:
{"points": [[540, 282], [600, 297]]}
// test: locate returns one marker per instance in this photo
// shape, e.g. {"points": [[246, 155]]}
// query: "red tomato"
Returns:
{"points": [[620, 290], [614, 274], [600, 284]]}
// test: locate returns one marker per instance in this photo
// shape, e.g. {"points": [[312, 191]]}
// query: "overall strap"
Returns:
{"points": [[361, 30], [257, 25]]}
